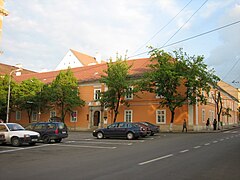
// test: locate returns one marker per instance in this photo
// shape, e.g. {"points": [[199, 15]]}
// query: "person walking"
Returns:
{"points": [[214, 124], [184, 125], [207, 124]]}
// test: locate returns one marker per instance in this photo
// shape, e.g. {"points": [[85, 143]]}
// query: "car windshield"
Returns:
{"points": [[15, 127], [61, 125]]}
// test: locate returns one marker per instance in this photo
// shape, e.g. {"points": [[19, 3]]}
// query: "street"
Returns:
{"points": [[164, 156]]}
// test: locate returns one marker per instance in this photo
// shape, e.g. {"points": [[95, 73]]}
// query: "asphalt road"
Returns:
{"points": [[164, 156]]}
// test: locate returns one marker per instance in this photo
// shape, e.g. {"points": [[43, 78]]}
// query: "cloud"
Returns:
{"points": [[225, 56]]}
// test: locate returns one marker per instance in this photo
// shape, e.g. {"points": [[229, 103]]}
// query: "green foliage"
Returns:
{"points": [[171, 72], [25, 96], [118, 81], [63, 92]]}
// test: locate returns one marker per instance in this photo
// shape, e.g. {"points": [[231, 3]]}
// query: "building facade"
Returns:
{"points": [[142, 106]]}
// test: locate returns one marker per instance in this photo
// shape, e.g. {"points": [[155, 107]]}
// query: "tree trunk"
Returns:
{"points": [[172, 119]]}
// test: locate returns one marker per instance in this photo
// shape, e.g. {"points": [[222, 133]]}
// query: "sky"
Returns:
{"points": [[38, 33]]}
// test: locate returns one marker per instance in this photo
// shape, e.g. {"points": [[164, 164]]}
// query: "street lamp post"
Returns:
{"points": [[9, 89]]}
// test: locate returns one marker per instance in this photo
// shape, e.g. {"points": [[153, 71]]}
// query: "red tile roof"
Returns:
{"points": [[83, 58], [6, 69], [88, 73]]}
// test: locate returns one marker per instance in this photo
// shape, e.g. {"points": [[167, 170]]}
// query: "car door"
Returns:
{"points": [[40, 128], [121, 130], [111, 130]]}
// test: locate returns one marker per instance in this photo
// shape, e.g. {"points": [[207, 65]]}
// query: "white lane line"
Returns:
{"points": [[97, 142], [221, 139], [227, 132], [196, 147], [207, 144], [227, 138], [183, 151], [80, 146], [215, 141], [156, 159], [19, 149]]}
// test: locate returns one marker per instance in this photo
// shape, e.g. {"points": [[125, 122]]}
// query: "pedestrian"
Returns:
{"points": [[207, 124], [214, 124], [184, 125]]}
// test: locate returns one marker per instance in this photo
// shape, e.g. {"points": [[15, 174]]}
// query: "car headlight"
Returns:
{"points": [[94, 130]]}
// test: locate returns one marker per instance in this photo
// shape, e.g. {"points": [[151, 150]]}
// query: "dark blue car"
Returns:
{"points": [[119, 129]]}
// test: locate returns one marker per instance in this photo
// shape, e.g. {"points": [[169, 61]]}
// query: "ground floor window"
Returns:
{"points": [[73, 117], [161, 116], [53, 114], [203, 115], [34, 116], [18, 115], [128, 115]]}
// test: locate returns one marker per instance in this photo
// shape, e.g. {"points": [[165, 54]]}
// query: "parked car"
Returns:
{"points": [[144, 128], [50, 131], [119, 129], [153, 128], [15, 134]]}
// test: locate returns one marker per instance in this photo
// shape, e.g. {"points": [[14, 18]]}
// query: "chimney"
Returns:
{"points": [[98, 58]]}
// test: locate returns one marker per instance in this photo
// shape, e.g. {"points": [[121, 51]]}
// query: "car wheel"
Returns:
{"points": [[16, 141], [58, 140], [46, 139], [32, 143], [100, 135], [130, 136]]}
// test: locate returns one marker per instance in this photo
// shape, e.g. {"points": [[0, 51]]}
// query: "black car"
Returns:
{"points": [[119, 129], [49, 131], [153, 128]]}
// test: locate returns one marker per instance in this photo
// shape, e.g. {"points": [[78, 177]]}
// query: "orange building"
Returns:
{"points": [[143, 106]]}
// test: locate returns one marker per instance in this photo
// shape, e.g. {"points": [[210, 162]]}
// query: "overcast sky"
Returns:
{"points": [[38, 33]]}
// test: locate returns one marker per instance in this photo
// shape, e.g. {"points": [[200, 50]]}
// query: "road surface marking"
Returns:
{"points": [[101, 142], [19, 149], [207, 144], [80, 146], [183, 151], [221, 139], [227, 132], [227, 138], [215, 141], [196, 147], [156, 159]]}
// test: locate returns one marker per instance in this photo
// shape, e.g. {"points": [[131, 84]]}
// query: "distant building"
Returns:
{"points": [[3, 13], [76, 59]]}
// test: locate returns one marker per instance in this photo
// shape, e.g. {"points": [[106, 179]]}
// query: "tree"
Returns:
{"points": [[218, 101], [118, 82], [227, 113], [3, 95], [25, 96], [169, 73], [63, 92]]}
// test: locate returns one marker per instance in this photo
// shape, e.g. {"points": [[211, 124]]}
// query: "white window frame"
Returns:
{"points": [[96, 95], [53, 114], [18, 115], [130, 95], [162, 114], [34, 116], [73, 119], [128, 115], [203, 115]]}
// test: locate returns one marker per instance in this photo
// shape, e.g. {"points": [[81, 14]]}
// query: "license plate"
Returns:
{"points": [[64, 132], [34, 140]]}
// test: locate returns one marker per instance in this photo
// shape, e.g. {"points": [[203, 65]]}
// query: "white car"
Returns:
{"points": [[15, 134]]}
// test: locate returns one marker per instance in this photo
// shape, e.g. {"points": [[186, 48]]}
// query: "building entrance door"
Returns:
{"points": [[96, 118]]}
